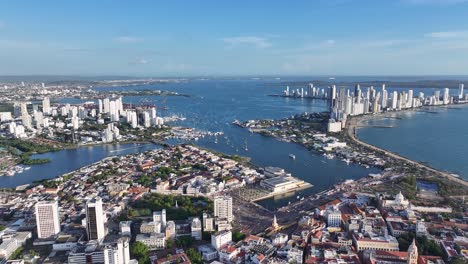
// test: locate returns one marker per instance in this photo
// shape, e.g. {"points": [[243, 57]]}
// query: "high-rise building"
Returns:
{"points": [[46, 106], [106, 105], [223, 207], [47, 219], [394, 100], [461, 86], [95, 219], [100, 106], [446, 97]]}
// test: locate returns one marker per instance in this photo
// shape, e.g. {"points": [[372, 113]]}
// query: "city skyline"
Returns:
{"points": [[340, 37]]}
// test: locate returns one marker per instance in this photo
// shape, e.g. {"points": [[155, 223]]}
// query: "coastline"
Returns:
{"points": [[353, 123]]}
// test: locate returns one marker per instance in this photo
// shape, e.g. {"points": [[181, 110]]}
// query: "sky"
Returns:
{"points": [[234, 37]]}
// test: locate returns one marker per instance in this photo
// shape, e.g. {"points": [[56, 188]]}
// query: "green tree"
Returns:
{"points": [[139, 251], [237, 236], [194, 256], [184, 241]]}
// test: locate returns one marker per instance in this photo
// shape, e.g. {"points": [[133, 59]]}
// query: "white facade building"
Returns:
{"points": [[47, 219]]}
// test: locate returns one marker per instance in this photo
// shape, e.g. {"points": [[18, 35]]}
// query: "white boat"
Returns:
{"points": [[292, 156], [27, 168]]}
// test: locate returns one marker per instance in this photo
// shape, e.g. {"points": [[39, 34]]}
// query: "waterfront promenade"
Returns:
{"points": [[355, 122]]}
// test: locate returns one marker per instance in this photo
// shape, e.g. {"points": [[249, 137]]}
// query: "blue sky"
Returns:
{"points": [[184, 38]]}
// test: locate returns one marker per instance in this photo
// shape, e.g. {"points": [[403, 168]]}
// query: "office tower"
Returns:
{"points": [[46, 105], [461, 86], [223, 207], [95, 219], [47, 219]]}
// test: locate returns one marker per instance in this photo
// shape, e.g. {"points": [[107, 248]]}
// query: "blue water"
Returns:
{"points": [[213, 106], [436, 136], [68, 160]]}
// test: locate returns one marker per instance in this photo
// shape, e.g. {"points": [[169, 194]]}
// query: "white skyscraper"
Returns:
{"points": [[47, 219], [446, 97], [394, 100], [95, 219], [106, 105], [461, 86], [100, 106], [223, 207], [46, 106]]}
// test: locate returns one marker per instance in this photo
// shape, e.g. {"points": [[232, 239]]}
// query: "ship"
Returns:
{"points": [[292, 156]]}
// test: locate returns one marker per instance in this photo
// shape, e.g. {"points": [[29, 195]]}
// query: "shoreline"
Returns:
{"points": [[353, 124]]}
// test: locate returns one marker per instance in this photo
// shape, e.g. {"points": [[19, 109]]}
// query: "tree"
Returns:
{"points": [[139, 251], [194, 256], [237, 236], [184, 241]]}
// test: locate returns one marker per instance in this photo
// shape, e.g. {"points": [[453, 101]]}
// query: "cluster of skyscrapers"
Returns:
{"points": [[310, 92], [23, 122], [345, 102]]}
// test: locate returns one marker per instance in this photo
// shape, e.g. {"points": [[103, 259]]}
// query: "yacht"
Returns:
{"points": [[292, 156]]}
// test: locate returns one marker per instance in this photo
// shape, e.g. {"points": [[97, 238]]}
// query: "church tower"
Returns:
{"points": [[274, 225], [412, 253]]}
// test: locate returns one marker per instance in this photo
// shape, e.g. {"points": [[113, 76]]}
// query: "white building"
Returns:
{"points": [[47, 219], [160, 217], [153, 241], [125, 228], [95, 219], [208, 223], [196, 228], [46, 106], [220, 239], [333, 216], [223, 207], [170, 230]]}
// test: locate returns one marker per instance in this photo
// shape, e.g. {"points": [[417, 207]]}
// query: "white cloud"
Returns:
{"points": [[258, 42], [128, 39], [448, 34], [330, 42]]}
